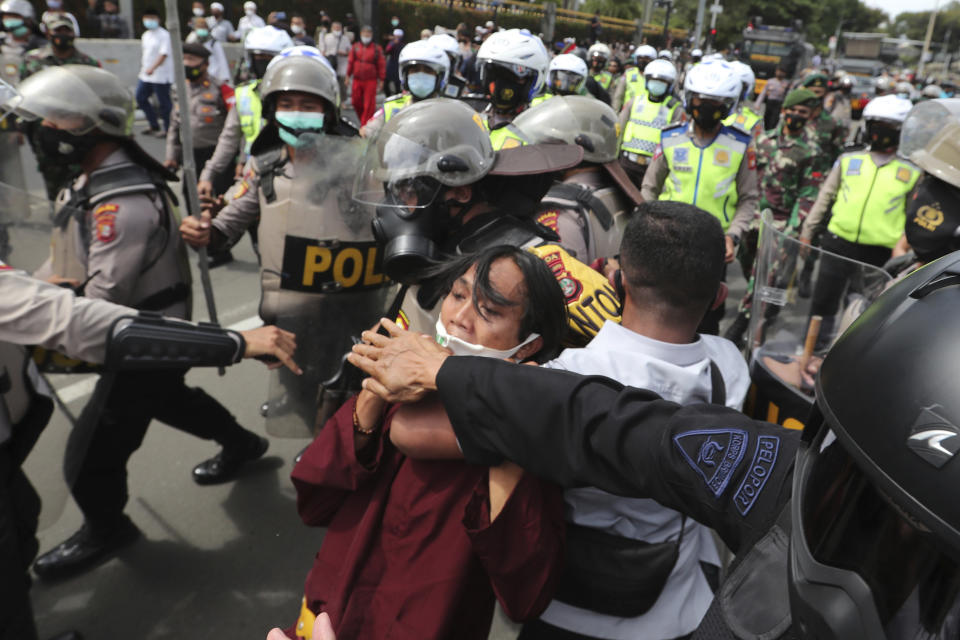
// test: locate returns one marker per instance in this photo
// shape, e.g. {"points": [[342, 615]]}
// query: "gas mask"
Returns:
{"points": [[464, 348], [883, 136], [411, 223], [63, 145]]}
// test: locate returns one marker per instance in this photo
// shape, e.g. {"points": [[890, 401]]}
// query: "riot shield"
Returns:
{"points": [[322, 280], [790, 334], [25, 243], [11, 139]]}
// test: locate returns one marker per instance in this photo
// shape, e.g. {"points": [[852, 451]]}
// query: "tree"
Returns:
{"points": [[914, 24]]}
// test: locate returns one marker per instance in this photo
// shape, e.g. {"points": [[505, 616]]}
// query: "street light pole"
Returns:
{"points": [[926, 41]]}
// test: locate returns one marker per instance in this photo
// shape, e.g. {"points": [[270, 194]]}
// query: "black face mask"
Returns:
{"points": [[193, 73], [794, 122], [882, 136], [62, 43], [258, 67], [707, 116], [64, 146]]}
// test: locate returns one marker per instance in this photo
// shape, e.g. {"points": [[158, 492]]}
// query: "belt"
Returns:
{"points": [[636, 158]]}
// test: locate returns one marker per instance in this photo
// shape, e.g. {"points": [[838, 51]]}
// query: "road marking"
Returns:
{"points": [[83, 388]]}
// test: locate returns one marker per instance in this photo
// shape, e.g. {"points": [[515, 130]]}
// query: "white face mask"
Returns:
{"points": [[365, 39], [297, 29], [464, 348], [198, 11], [336, 33]]}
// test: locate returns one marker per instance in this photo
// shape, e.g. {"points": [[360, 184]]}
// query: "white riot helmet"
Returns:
{"points": [[600, 51], [19, 7], [513, 68], [261, 45], [660, 76], [423, 84], [747, 79], [904, 89], [566, 75], [884, 118], [696, 54], [712, 80], [665, 54], [450, 45], [645, 51]]}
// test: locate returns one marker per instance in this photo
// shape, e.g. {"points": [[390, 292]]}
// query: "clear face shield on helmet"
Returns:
{"points": [[508, 85], [860, 566], [565, 83], [61, 100]]}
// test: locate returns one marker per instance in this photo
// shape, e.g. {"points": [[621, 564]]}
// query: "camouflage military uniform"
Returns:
{"points": [[830, 136], [789, 182], [55, 175]]}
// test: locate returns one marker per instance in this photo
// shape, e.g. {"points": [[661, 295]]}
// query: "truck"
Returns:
{"points": [[767, 47]]}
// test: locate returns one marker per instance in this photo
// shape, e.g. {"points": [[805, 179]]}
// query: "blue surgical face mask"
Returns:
{"points": [[421, 84], [14, 25], [202, 33], [293, 124], [149, 23], [656, 87]]}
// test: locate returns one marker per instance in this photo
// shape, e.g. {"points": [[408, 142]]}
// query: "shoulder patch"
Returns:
{"points": [[751, 158], [713, 453], [549, 220], [105, 219], [904, 174], [763, 460]]}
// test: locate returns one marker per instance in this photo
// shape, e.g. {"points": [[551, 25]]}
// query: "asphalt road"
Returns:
{"points": [[215, 562]]}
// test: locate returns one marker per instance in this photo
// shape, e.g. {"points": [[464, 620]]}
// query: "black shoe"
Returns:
{"points": [[224, 466], [219, 258], [150, 131], [84, 550], [68, 635], [735, 331]]}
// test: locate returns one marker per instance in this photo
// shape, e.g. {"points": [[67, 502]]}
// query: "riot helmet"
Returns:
{"points": [[904, 89], [660, 76], [513, 68], [643, 54], [303, 70], [875, 542], [261, 45], [598, 55], [711, 91], [566, 75], [424, 69], [747, 79], [22, 8], [18, 17], [580, 120], [450, 46], [883, 86], [883, 117]]}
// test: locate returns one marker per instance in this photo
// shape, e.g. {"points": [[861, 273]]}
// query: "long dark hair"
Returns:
{"points": [[544, 311]]}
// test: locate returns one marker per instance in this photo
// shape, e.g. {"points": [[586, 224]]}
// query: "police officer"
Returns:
{"points": [[456, 84], [645, 116], [116, 230], [424, 69], [60, 50], [706, 163], [566, 76], [850, 531], [33, 312], [599, 54], [746, 118], [837, 102], [244, 121], [439, 189], [590, 205], [866, 193], [631, 83], [513, 68], [788, 186], [320, 269]]}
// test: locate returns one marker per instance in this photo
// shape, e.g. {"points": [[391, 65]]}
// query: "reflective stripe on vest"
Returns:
{"points": [[392, 107], [871, 205], [635, 85], [707, 177], [743, 119], [507, 137], [249, 111], [540, 98], [647, 120], [604, 78]]}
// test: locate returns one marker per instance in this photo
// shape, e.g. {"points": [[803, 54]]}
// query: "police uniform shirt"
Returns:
{"points": [[208, 108], [229, 146], [723, 469], [679, 373]]}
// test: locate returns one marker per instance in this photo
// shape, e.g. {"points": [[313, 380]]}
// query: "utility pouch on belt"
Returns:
{"points": [[614, 575]]}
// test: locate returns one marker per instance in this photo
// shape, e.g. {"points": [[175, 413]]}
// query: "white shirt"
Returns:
{"points": [[153, 44], [679, 373], [248, 23], [220, 30]]}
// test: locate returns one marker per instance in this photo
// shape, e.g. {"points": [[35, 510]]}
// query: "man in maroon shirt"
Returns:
{"points": [[418, 549], [366, 64]]}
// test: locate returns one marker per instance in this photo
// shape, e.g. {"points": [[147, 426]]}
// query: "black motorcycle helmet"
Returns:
{"points": [[875, 545]]}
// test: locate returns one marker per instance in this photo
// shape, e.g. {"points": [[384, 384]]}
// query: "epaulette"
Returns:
{"points": [[674, 130], [745, 138]]}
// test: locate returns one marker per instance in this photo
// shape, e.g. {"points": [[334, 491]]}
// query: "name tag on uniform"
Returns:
{"points": [[681, 155], [327, 266], [683, 168], [721, 158], [853, 169], [904, 174]]}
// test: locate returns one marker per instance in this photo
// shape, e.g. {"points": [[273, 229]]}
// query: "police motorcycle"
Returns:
{"points": [[786, 342]]}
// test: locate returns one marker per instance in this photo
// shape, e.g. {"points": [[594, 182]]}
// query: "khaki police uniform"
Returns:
{"points": [[240, 129], [629, 86], [208, 105], [503, 135]]}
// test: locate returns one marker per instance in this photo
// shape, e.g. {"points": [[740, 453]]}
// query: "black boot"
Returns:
{"points": [[85, 549], [224, 466]]}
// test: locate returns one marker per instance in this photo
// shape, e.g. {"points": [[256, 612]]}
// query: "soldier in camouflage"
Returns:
{"points": [[59, 51], [787, 159], [828, 133]]}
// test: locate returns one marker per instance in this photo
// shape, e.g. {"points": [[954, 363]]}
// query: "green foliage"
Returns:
{"points": [[914, 24]]}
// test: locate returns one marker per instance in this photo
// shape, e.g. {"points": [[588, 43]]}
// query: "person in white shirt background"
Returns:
{"points": [[156, 73], [221, 29], [250, 20], [671, 260], [219, 68]]}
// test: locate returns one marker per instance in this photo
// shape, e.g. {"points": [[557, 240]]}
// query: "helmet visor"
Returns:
{"points": [[59, 97], [925, 122], [565, 82], [849, 525]]}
